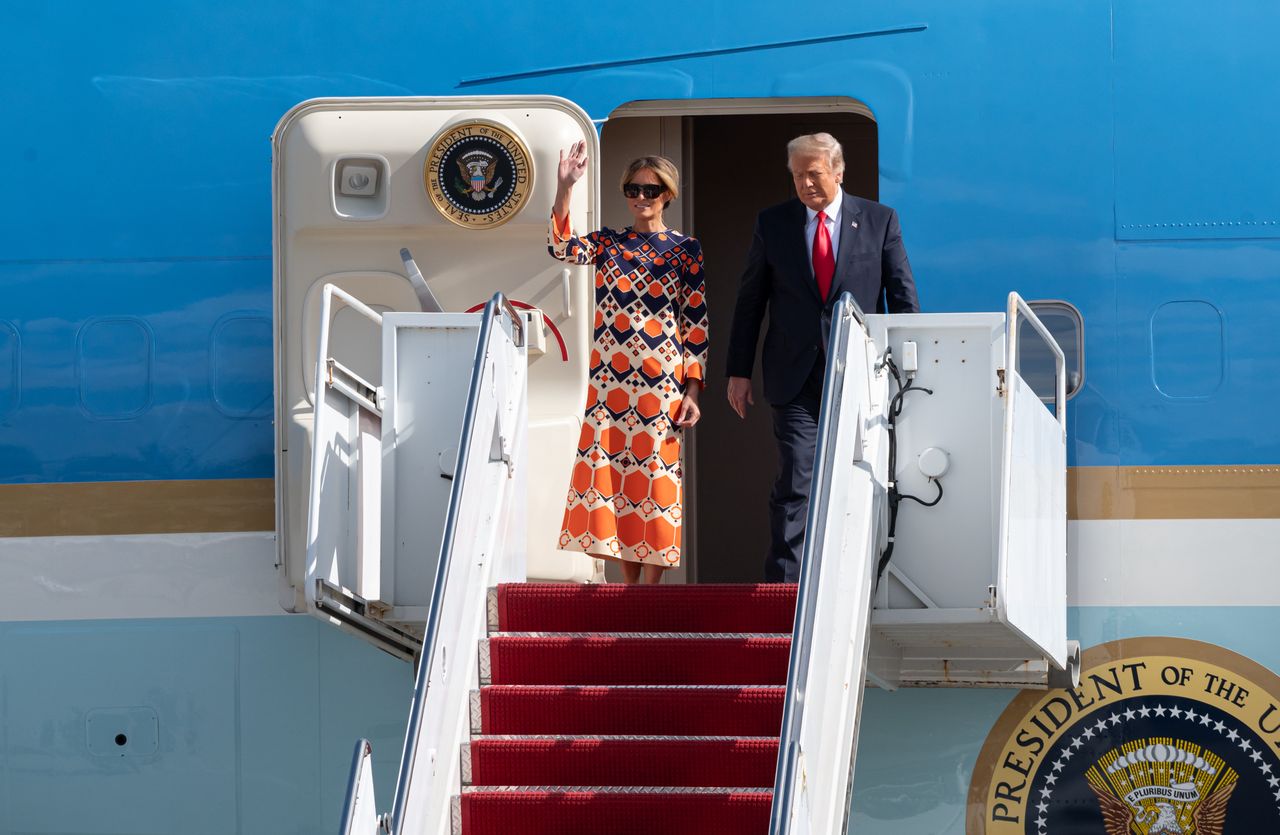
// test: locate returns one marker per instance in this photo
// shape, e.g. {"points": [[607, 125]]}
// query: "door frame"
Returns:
{"points": [[666, 108]]}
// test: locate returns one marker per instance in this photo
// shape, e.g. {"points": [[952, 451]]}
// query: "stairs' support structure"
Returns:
{"points": [[710, 709], [415, 504]]}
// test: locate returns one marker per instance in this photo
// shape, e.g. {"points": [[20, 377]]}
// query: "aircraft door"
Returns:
{"points": [[466, 185]]}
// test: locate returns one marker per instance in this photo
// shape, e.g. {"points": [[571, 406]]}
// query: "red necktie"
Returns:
{"points": [[824, 263]]}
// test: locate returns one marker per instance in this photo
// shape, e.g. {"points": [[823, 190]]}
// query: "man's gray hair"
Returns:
{"points": [[817, 144]]}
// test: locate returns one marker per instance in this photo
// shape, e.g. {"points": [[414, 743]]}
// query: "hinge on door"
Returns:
{"points": [[1000, 386], [991, 597]]}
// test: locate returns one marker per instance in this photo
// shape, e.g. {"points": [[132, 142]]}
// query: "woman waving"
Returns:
{"points": [[648, 355]]}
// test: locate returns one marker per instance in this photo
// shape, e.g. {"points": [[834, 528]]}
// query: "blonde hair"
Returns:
{"points": [[817, 144], [662, 168]]}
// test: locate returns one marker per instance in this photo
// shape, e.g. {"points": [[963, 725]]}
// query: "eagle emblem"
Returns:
{"points": [[478, 174], [477, 169], [1164, 787]]}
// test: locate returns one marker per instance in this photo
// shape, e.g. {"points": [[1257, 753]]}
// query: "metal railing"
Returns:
{"points": [[431, 658], [343, 570], [358, 812], [1033, 512], [1018, 306], [836, 414]]}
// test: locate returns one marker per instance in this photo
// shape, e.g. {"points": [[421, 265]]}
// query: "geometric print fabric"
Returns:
{"points": [[625, 499]]}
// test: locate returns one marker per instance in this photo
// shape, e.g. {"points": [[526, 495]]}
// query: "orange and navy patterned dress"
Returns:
{"points": [[625, 494]]}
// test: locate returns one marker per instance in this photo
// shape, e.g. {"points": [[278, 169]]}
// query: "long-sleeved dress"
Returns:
{"points": [[625, 494]]}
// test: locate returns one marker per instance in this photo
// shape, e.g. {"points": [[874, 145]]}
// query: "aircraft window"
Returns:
{"points": [[1035, 361]]}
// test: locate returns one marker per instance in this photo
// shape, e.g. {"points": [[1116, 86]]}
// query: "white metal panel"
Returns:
{"points": [[331, 536], [482, 546], [947, 551], [427, 362], [936, 615], [1032, 587], [829, 662], [463, 268], [1031, 579]]}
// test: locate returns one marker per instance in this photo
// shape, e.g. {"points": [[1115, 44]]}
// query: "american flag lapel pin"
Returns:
{"points": [[855, 224]]}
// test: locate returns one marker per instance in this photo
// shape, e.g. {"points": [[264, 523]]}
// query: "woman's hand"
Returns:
{"points": [[690, 413], [573, 164]]}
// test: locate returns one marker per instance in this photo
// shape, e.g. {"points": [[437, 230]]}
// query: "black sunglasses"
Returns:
{"points": [[650, 192]]}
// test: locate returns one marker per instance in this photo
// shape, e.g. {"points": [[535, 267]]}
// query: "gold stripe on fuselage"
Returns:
{"points": [[1226, 491], [105, 508]]}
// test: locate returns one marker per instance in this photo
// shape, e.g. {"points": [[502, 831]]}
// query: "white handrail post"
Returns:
{"points": [[1018, 306], [827, 671]]}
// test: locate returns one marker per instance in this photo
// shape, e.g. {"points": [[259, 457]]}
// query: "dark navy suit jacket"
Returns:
{"points": [[871, 263]]}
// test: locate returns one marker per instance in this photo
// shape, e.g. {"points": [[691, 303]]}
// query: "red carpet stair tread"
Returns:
{"points": [[687, 710], [561, 607], [722, 762], [634, 659], [604, 812], [625, 709]]}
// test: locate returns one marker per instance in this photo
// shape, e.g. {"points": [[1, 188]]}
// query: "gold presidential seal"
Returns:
{"points": [[1164, 736], [478, 174]]}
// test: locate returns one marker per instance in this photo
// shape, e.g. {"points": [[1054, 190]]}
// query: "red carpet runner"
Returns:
{"points": [[627, 710]]}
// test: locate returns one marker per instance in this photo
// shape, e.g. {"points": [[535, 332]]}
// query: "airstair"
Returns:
{"points": [[564, 707]]}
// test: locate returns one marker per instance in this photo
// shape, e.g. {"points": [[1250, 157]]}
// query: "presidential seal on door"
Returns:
{"points": [[478, 174]]}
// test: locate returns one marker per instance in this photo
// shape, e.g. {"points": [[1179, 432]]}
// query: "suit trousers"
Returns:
{"points": [[795, 428]]}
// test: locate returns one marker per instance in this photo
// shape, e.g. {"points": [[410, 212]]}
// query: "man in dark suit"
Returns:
{"points": [[805, 254]]}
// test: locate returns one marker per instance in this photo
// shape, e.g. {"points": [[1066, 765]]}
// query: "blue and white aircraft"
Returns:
{"points": [[1111, 162]]}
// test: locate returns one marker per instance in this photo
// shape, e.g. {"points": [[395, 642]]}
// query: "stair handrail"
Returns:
{"points": [[847, 345], [429, 660], [324, 533], [1019, 309], [359, 814], [1032, 533]]}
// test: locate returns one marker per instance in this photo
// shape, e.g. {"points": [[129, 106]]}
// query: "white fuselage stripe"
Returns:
{"points": [[143, 576], [1173, 562], [1124, 562]]}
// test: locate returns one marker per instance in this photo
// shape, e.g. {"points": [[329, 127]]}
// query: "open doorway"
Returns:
{"points": [[732, 158]]}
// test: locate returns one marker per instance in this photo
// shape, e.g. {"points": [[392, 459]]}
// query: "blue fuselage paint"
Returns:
{"points": [[1111, 155], [255, 720], [1058, 151]]}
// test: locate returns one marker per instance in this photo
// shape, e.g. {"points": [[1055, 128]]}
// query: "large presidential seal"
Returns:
{"points": [[478, 174], [1164, 736]]}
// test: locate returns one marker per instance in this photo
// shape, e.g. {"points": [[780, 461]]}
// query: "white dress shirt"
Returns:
{"points": [[833, 228]]}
